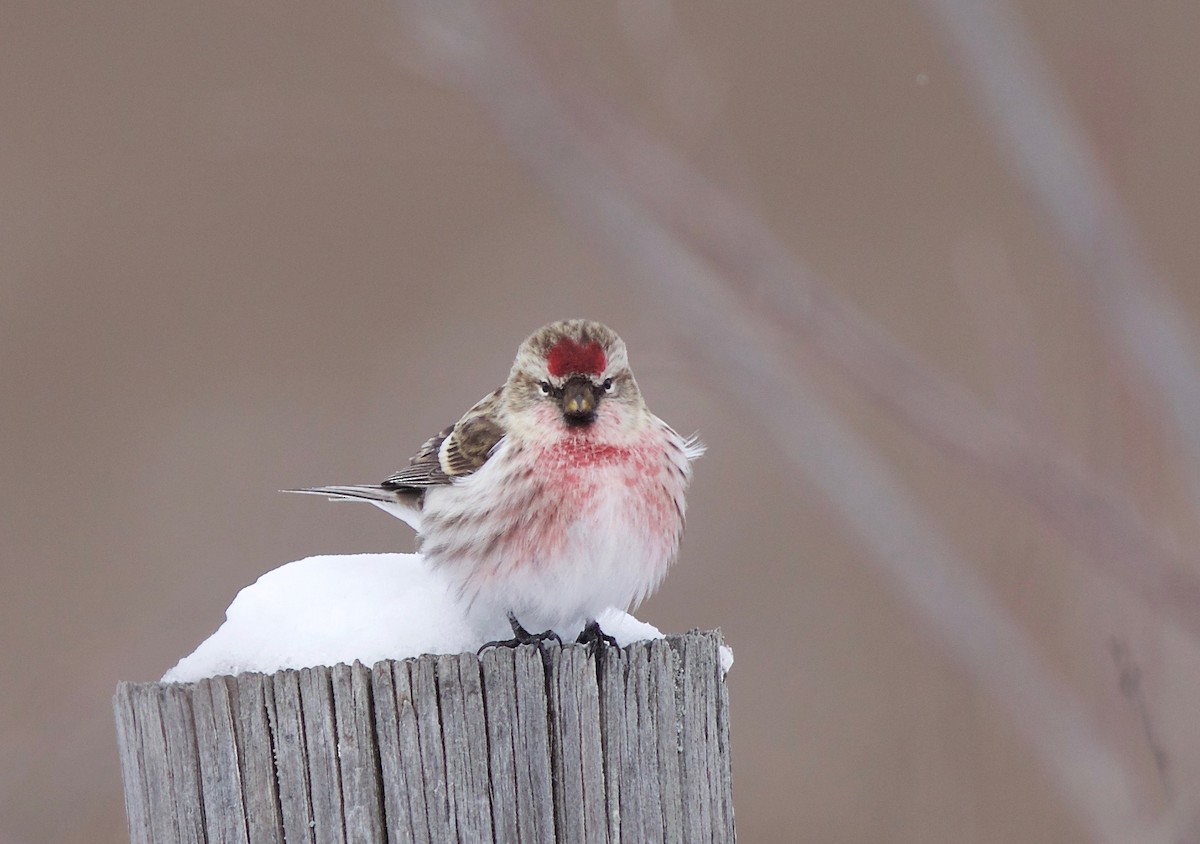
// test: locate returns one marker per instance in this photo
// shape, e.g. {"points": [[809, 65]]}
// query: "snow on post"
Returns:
{"points": [[529, 745]]}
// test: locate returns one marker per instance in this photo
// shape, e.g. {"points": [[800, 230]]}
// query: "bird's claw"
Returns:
{"points": [[527, 639], [593, 637], [521, 636]]}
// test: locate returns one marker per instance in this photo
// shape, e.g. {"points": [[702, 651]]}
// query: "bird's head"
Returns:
{"points": [[575, 372]]}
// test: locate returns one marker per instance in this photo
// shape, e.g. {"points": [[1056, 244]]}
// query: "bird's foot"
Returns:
{"points": [[593, 637], [521, 636]]}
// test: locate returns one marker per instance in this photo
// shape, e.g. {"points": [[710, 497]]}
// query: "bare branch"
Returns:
{"points": [[1083, 508], [754, 358], [1051, 156]]}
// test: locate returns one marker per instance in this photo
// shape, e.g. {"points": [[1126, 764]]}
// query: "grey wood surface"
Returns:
{"points": [[529, 745]]}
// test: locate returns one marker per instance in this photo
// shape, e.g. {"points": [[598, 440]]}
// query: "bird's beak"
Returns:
{"points": [[578, 401]]}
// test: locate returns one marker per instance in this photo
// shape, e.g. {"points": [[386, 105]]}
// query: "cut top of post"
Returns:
{"points": [[525, 744]]}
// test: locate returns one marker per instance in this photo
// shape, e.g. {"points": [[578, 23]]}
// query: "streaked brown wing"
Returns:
{"points": [[423, 469], [456, 451]]}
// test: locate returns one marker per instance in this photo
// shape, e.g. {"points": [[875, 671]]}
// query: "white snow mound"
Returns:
{"points": [[367, 607]]}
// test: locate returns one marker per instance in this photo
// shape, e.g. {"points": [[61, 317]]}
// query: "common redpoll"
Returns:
{"points": [[555, 497]]}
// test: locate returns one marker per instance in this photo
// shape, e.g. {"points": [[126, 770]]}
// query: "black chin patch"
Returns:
{"points": [[579, 420]]}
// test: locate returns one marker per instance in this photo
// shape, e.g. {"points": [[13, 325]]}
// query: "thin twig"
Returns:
{"points": [[1129, 681]]}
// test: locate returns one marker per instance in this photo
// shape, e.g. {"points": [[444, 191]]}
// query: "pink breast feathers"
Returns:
{"points": [[568, 357]]}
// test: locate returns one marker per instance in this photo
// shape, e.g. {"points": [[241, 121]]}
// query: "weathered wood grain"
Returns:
{"points": [[256, 753], [424, 696], [291, 759], [399, 755], [499, 695], [531, 742], [529, 745], [613, 727], [182, 762], [220, 777], [320, 742], [465, 746], [358, 754]]}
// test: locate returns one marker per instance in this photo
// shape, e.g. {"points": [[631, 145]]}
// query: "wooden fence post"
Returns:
{"points": [[518, 744]]}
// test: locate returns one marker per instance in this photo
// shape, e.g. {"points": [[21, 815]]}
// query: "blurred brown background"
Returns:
{"points": [[247, 246]]}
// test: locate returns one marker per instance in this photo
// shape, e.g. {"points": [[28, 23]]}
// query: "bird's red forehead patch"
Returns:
{"points": [[568, 357]]}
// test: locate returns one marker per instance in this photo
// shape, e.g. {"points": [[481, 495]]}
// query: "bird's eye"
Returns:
{"points": [[607, 385], [545, 388]]}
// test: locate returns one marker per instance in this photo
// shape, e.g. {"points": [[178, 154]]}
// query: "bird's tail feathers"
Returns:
{"points": [[405, 507], [362, 492]]}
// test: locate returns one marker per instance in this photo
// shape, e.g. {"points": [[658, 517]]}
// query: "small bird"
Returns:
{"points": [[555, 497]]}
